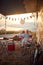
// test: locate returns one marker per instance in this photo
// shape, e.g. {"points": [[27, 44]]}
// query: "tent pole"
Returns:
{"points": [[5, 25]]}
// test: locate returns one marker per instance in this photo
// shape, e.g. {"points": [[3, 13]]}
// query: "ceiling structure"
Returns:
{"points": [[8, 7]]}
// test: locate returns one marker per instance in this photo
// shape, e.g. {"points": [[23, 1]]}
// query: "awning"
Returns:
{"points": [[9, 7]]}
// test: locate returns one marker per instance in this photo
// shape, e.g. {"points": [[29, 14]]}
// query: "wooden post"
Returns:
{"points": [[5, 25]]}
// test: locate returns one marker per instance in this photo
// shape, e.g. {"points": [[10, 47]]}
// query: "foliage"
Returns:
{"points": [[8, 32]]}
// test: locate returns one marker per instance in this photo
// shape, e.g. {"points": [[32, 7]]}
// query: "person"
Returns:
{"points": [[21, 34], [26, 38]]}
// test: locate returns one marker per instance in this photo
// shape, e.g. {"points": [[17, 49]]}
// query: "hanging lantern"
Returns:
{"points": [[27, 17], [24, 18], [15, 19], [18, 18], [1, 17], [22, 21], [9, 18], [6, 17], [33, 15], [12, 19], [30, 16]]}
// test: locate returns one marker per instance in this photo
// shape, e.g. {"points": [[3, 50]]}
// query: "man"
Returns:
{"points": [[26, 38]]}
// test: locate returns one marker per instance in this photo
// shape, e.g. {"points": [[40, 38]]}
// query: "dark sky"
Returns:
{"points": [[8, 7]]}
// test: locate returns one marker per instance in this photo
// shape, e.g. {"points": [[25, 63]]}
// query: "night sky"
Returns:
{"points": [[8, 7]]}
